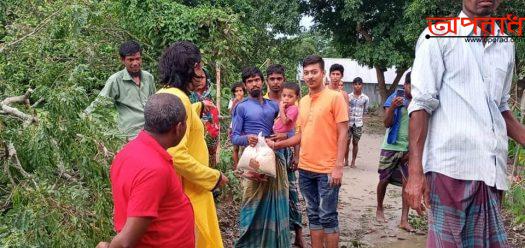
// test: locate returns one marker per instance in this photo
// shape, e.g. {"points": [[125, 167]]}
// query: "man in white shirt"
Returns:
{"points": [[459, 123], [357, 109]]}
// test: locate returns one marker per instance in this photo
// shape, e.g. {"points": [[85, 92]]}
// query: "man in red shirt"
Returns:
{"points": [[151, 210]]}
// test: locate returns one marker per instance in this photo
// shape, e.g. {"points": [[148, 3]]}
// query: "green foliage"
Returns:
{"points": [[271, 17], [233, 191], [515, 197], [420, 223], [66, 198], [216, 32], [515, 201]]}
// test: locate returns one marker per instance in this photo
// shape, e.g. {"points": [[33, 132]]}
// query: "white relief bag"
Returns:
{"points": [[263, 154]]}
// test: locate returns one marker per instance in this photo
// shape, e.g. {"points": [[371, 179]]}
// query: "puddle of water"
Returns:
{"points": [[415, 242]]}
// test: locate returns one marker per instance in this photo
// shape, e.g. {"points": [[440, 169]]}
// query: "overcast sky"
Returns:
{"points": [[306, 22]]}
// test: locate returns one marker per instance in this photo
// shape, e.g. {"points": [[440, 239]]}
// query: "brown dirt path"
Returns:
{"points": [[358, 204]]}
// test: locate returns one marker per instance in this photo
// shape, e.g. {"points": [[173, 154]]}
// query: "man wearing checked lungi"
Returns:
{"points": [[393, 160], [459, 123]]}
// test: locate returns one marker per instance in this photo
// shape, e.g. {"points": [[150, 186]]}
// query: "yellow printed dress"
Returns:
{"points": [[190, 159]]}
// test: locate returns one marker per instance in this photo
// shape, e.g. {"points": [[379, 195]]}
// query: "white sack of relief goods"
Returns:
{"points": [[263, 154]]}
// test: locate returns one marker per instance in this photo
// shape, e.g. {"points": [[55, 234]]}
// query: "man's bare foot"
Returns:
{"points": [[299, 240], [380, 216], [407, 227], [352, 165]]}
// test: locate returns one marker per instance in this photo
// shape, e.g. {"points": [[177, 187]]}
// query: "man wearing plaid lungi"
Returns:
{"points": [[459, 123]]}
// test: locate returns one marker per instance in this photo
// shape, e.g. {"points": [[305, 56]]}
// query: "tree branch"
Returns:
{"points": [[38, 28], [12, 158], [8, 110], [107, 154], [60, 164], [399, 75], [17, 113], [522, 105], [37, 102], [18, 99], [363, 32], [11, 151], [381, 83]]}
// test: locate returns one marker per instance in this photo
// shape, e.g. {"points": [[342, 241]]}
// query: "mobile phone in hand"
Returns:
{"points": [[400, 93]]}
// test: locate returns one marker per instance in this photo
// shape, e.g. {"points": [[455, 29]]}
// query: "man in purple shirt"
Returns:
{"points": [[254, 114], [264, 216]]}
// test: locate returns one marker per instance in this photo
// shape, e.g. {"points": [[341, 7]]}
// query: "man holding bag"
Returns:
{"points": [[264, 213]]}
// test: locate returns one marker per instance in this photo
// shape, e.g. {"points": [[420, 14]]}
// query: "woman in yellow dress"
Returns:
{"points": [[179, 66]]}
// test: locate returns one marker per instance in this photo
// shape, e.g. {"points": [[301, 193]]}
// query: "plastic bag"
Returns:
{"points": [[263, 154]]}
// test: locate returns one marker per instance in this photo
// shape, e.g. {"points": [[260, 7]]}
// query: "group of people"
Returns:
{"points": [[161, 180], [445, 144], [283, 119]]}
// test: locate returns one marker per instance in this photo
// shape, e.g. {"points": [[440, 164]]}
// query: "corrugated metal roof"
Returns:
{"points": [[353, 70]]}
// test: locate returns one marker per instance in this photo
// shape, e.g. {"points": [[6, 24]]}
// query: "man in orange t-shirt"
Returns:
{"points": [[322, 133]]}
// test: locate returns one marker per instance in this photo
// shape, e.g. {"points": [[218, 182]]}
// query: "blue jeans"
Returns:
{"points": [[321, 201]]}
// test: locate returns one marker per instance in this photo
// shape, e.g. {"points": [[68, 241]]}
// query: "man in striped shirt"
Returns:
{"points": [[459, 123]]}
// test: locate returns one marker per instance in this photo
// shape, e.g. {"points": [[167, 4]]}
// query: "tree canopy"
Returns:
{"points": [[382, 34]]}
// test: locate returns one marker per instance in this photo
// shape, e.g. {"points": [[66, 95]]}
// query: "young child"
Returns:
{"points": [[238, 94], [288, 110]]}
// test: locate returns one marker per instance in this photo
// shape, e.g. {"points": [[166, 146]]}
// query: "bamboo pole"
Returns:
{"points": [[218, 101]]}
